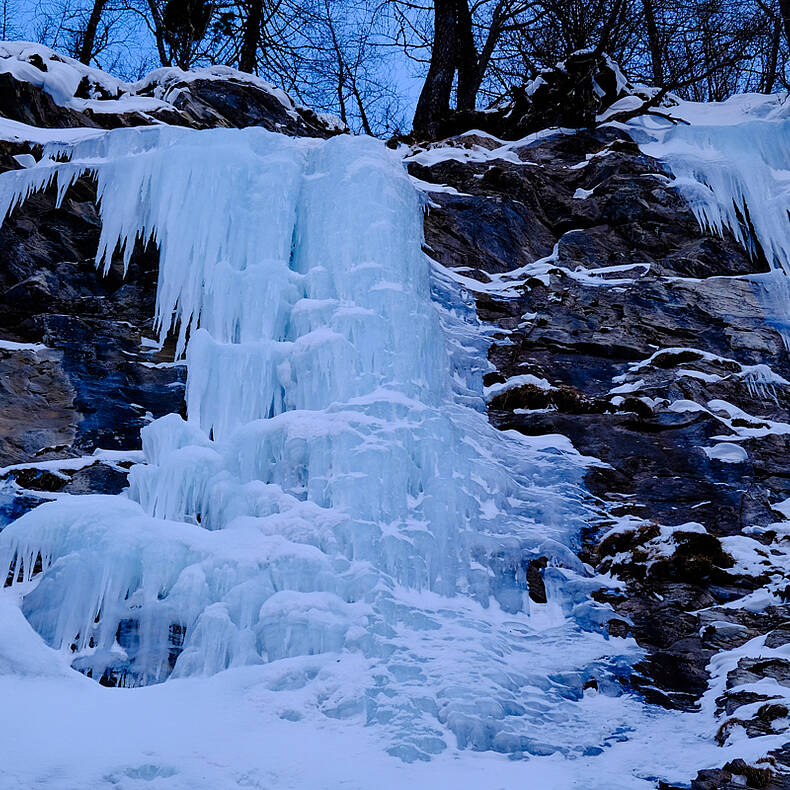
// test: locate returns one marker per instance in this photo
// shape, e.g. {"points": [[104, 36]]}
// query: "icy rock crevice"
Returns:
{"points": [[332, 493]]}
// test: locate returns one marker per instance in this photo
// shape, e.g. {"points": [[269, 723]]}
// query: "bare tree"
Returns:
{"points": [[464, 39], [251, 35], [338, 63], [185, 24], [784, 10], [434, 101], [9, 14], [89, 36], [348, 56]]}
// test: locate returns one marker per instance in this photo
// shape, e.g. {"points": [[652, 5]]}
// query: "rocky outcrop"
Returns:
{"points": [[208, 98], [570, 95]]}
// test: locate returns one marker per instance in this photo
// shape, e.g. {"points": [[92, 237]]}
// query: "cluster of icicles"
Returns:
{"points": [[334, 501], [732, 166]]}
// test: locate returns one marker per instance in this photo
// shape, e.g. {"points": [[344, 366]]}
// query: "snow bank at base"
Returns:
{"points": [[244, 728]]}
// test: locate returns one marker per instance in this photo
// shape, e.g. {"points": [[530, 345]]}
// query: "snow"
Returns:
{"points": [[727, 453], [507, 151], [709, 378], [524, 379], [748, 426], [725, 662], [61, 77], [25, 160], [16, 132], [111, 457], [760, 379], [427, 186], [12, 345], [510, 284], [474, 154]]}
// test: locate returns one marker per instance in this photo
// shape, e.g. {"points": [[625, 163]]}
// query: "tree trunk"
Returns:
{"points": [[89, 38], [469, 77], [159, 33], [772, 60], [654, 42], [251, 37], [784, 9], [434, 101], [363, 116]]}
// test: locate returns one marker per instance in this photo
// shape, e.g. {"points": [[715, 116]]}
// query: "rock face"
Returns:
{"points": [[624, 327], [618, 324], [77, 374]]}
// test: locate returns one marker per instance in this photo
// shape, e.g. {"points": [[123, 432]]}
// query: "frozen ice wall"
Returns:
{"points": [[731, 161], [335, 506]]}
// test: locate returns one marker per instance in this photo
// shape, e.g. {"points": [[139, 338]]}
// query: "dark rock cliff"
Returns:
{"points": [[613, 307]]}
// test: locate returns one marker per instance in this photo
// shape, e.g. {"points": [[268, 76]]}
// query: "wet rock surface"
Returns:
{"points": [[79, 368], [649, 344]]}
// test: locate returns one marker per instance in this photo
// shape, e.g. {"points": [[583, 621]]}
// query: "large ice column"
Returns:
{"points": [[330, 494]]}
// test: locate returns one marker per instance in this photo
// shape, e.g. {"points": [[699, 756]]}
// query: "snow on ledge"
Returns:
{"points": [[517, 381], [12, 345], [63, 78], [727, 453]]}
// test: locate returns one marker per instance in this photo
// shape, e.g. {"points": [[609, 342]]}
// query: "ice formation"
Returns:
{"points": [[732, 164], [336, 500], [731, 161]]}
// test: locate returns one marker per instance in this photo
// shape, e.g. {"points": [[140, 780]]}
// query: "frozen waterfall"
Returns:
{"points": [[336, 508]]}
